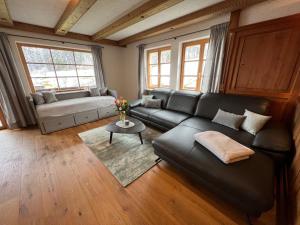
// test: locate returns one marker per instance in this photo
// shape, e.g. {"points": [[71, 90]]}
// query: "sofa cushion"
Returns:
{"points": [[202, 124], [162, 94], [274, 137], [74, 105], [247, 184], [152, 103], [228, 119], [209, 104], [168, 118], [183, 102], [143, 112]]}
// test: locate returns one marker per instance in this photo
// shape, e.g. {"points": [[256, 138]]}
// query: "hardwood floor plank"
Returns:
{"points": [[56, 179]]}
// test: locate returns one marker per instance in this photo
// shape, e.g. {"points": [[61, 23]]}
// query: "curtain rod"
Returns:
{"points": [[175, 37], [46, 39]]}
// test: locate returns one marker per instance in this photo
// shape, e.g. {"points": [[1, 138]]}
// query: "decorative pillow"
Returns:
{"points": [[49, 96], [228, 119], [145, 97], [38, 98], [254, 122], [103, 91], [152, 103], [95, 92]]}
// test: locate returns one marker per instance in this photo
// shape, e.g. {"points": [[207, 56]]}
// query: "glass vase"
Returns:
{"points": [[122, 116]]}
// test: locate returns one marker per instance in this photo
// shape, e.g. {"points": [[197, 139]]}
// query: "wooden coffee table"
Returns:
{"points": [[138, 128]]}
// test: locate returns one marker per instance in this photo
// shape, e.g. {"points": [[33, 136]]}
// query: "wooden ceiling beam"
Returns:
{"points": [[73, 12], [144, 11], [192, 18], [5, 18], [50, 31]]}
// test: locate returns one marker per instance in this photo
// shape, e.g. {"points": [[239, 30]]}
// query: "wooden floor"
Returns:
{"points": [[55, 179]]}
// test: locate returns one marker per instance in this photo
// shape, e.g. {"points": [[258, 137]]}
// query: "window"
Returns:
{"points": [[57, 68], [159, 66], [192, 64]]}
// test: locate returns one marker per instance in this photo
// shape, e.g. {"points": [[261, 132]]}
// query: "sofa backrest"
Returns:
{"points": [[69, 95], [162, 94], [209, 104], [183, 102]]}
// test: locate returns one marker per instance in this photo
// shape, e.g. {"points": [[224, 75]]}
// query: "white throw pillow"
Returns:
{"points": [[145, 97], [254, 122]]}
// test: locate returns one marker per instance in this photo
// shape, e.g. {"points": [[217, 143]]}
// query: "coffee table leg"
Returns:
{"points": [[110, 138], [141, 138]]}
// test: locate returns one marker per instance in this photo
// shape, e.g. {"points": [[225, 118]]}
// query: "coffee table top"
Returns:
{"points": [[138, 127]]}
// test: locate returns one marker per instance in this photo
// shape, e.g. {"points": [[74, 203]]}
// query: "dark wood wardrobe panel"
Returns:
{"points": [[264, 60]]}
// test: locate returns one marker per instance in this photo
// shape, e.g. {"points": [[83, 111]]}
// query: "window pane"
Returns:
{"points": [[191, 68], [165, 56], [165, 81], [153, 70], [153, 58], [192, 52], [41, 70], [44, 83], [65, 70], [62, 56], [36, 55], [165, 69], [85, 58], [85, 71], [154, 81], [68, 82], [87, 81], [190, 82], [205, 51]]}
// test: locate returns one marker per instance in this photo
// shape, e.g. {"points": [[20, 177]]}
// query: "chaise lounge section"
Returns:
{"points": [[247, 184]]}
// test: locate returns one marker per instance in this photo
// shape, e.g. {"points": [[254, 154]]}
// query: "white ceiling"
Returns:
{"points": [[181, 9], [38, 12], [102, 13]]}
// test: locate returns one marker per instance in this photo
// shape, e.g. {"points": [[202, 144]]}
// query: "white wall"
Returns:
{"points": [[269, 10], [260, 12], [112, 59], [121, 64], [130, 53]]}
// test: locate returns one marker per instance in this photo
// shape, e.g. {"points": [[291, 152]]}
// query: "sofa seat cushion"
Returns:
{"points": [[247, 184], [143, 112], [168, 118], [202, 124], [74, 105]]}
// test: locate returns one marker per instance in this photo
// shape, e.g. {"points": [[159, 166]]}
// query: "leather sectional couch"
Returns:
{"points": [[248, 184]]}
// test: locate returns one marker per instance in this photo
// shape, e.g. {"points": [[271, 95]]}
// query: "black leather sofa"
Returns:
{"points": [[248, 184]]}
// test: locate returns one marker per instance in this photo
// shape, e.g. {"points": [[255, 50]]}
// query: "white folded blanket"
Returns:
{"points": [[225, 148]]}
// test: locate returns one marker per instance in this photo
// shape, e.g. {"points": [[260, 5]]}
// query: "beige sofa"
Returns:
{"points": [[73, 109]]}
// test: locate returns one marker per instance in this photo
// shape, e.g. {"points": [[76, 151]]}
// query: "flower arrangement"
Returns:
{"points": [[122, 107]]}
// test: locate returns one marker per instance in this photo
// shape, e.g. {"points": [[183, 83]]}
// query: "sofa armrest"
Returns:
{"points": [[275, 137], [113, 93], [135, 103]]}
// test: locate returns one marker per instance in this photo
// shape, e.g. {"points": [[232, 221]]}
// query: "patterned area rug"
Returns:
{"points": [[126, 158]]}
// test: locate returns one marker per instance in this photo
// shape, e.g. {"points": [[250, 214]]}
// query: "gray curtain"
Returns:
{"points": [[13, 102], [215, 55], [141, 73], [98, 65]]}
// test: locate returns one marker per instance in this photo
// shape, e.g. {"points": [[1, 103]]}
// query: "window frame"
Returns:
{"points": [[27, 72], [199, 75], [158, 50]]}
